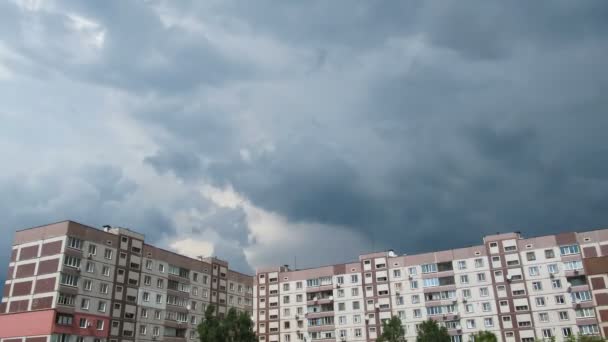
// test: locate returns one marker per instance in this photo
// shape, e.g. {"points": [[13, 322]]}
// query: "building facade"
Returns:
{"points": [[521, 289], [68, 282]]}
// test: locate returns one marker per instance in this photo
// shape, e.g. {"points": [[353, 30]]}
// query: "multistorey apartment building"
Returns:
{"points": [[67, 282], [519, 288]]}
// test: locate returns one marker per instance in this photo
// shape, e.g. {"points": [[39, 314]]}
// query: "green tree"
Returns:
{"points": [[392, 331], [430, 331], [584, 338], [234, 327], [484, 336]]}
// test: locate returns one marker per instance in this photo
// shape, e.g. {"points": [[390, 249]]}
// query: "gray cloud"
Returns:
{"points": [[399, 121]]}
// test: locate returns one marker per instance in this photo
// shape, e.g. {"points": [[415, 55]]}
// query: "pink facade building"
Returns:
{"points": [[67, 282]]}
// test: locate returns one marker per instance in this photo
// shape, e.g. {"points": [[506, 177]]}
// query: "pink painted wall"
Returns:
{"points": [[27, 324]]}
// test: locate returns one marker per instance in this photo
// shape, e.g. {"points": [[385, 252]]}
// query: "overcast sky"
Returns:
{"points": [[260, 131]]}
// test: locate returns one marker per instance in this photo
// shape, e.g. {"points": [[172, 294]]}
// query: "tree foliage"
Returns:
{"points": [[392, 331], [484, 336], [430, 331], [235, 327]]}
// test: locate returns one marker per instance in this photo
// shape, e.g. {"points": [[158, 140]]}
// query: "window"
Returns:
{"points": [[591, 329], [479, 262], [513, 262], [340, 292], [415, 299], [547, 333], [358, 332], [488, 322], [486, 306], [103, 288], [354, 278], [566, 332], [88, 285], [159, 299], [430, 282], [510, 248], [552, 268], [92, 249], [414, 284], [533, 271], [537, 286], [549, 254], [84, 303], [560, 300], [299, 298], [471, 323], [581, 296], [356, 305], [563, 315], [82, 323], [64, 319], [147, 280], [69, 280], [412, 271], [530, 256], [524, 324], [99, 324], [65, 299], [483, 292], [519, 292], [481, 277], [354, 291], [556, 284], [568, 250], [585, 313], [156, 331], [142, 329], [417, 313], [397, 273], [573, 265], [90, 267], [146, 297], [543, 317], [521, 308], [466, 293], [429, 268], [107, 253], [161, 268], [105, 270], [469, 308], [462, 264], [71, 261], [74, 243], [464, 279], [540, 301], [160, 283]]}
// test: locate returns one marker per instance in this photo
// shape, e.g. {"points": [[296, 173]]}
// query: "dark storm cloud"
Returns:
{"points": [[139, 53], [400, 120], [503, 129]]}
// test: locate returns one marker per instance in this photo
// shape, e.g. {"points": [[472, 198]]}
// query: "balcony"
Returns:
{"points": [[312, 315], [321, 288]]}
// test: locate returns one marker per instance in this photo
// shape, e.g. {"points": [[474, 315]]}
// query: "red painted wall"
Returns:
{"points": [[75, 329]]}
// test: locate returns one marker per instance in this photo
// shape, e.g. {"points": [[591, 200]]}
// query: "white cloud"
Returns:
{"points": [[193, 247]]}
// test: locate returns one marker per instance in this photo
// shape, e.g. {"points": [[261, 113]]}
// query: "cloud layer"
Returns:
{"points": [[260, 133]]}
